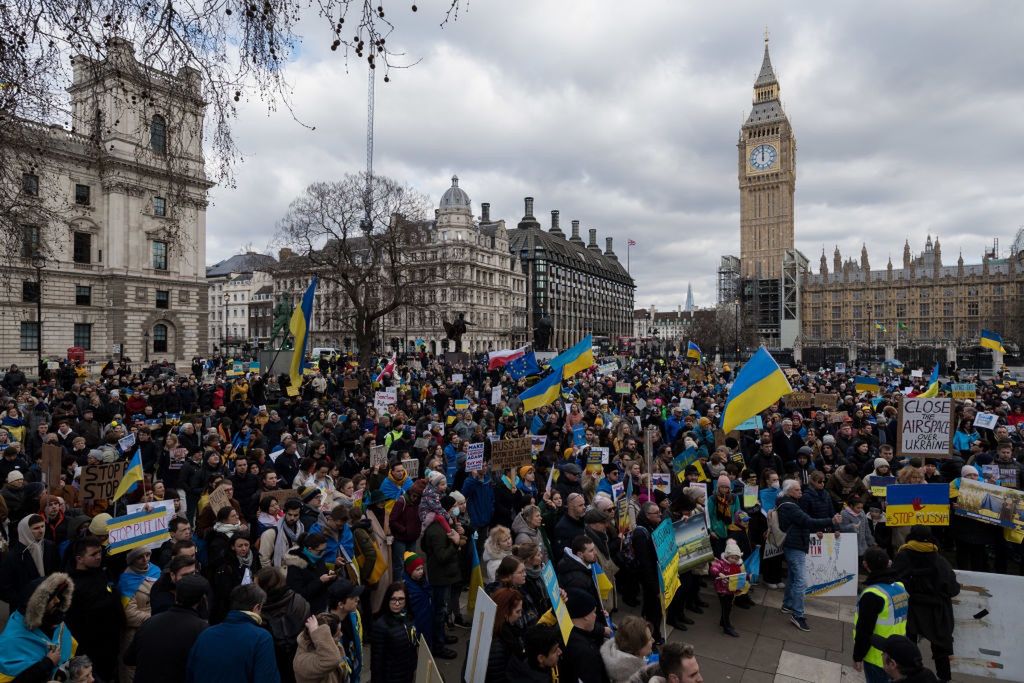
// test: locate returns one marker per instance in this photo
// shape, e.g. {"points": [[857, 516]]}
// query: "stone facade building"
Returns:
{"points": [[234, 284], [582, 289], [123, 267]]}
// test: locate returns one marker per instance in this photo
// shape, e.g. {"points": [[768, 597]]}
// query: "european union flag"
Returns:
{"points": [[523, 366]]}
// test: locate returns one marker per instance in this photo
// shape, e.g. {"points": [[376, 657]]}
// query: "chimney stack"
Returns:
{"points": [[608, 249], [555, 229], [576, 233], [485, 212], [592, 245], [529, 207]]}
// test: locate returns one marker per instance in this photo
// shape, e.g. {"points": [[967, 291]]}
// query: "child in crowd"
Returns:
{"points": [[729, 565]]}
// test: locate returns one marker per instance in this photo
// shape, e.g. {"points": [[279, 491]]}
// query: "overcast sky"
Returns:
{"points": [[909, 119]]}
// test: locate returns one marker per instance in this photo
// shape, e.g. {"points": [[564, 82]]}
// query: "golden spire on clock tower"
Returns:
{"points": [[767, 175]]}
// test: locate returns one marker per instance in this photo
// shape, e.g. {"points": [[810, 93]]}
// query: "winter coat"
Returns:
{"points": [[797, 524], [857, 524], [817, 503], [404, 521], [318, 658], [442, 556], [303, 577], [932, 585], [18, 570], [507, 504], [96, 617], [284, 615], [620, 665], [420, 603], [136, 613], [566, 530], [574, 574], [721, 570], [506, 645], [236, 651], [523, 532], [393, 641], [164, 642], [491, 558], [479, 495], [581, 658]]}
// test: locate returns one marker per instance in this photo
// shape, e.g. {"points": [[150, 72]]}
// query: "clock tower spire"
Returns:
{"points": [[767, 175]]}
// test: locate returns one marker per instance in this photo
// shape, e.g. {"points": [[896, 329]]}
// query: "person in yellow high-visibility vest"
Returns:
{"points": [[882, 610]]}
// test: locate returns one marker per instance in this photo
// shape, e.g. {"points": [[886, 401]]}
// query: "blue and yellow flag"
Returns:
{"points": [[933, 384], [573, 360], [910, 504], [132, 476], [992, 340], [759, 384], [299, 327], [692, 350], [871, 384], [601, 581], [543, 392], [476, 576]]}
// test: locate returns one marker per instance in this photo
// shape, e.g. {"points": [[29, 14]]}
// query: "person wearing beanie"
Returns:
{"points": [[581, 659], [441, 545], [722, 509], [420, 603], [973, 538], [612, 475], [728, 565], [159, 650], [404, 523]]}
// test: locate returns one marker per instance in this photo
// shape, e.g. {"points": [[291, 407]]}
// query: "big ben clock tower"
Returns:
{"points": [[767, 178]]}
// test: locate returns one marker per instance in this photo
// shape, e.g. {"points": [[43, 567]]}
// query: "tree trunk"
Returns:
{"points": [[365, 333]]}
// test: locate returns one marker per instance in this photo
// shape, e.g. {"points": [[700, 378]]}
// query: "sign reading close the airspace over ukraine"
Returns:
{"points": [[926, 427]]}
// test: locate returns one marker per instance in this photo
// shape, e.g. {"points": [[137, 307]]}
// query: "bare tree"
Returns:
{"points": [[225, 50], [369, 251]]}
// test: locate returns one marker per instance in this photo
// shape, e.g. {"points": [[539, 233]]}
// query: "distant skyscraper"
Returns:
{"points": [[689, 298]]}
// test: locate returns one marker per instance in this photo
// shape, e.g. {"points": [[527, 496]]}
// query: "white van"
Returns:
{"points": [[322, 351]]}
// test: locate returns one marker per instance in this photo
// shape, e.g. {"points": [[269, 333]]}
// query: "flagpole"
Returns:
{"points": [[628, 247]]}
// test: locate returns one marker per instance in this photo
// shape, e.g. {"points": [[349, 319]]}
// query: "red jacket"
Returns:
{"points": [[721, 571], [405, 520]]}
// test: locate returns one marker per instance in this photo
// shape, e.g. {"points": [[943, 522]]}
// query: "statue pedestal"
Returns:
{"points": [[456, 357]]}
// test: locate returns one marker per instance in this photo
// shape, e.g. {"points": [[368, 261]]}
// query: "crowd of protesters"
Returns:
{"points": [[338, 577]]}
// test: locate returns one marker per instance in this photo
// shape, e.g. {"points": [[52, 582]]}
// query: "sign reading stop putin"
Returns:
{"points": [[926, 427]]}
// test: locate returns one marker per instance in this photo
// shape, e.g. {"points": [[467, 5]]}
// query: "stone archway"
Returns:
{"points": [[165, 332]]}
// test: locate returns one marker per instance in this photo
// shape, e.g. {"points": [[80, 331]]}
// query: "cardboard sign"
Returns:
{"points": [[378, 456], [166, 505], [838, 416], [986, 420], [475, 457], [964, 391], [350, 385], [219, 500], [607, 368], [622, 388], [457, 378], [421, 443], [697, 374], [135, 530], [880, 485], [910, 504], [412, 466], [926, 427], [99, 482], [52, 455], [803, 400], [479, 651], [383, 399], [282, 496], [496, 395], [510, 453], [426, 667]]}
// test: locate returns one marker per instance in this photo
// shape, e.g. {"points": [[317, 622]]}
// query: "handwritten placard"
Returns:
{"points": [[510, 453], [475, 457], [926, 427], [622, 388], [99, 482], [378, 456]]}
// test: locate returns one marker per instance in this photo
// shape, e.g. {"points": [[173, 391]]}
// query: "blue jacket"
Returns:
{"points": [[451, 462], [816, 503], [236, 650], [479, 500], [797, 524], [345, 540], [673, 428], [421, 606]]}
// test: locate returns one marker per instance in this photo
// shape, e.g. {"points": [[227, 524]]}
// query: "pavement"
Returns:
{"points": [[769, 650]]}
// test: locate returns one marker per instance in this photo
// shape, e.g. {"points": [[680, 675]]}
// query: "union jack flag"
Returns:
{"points": [[631, 243]]}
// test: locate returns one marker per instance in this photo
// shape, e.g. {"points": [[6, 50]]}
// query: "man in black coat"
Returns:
{"points": [[573, 569], [787, 442], [95, 616], [160, 648], [569, 526], [582, 660], [647, 561]]}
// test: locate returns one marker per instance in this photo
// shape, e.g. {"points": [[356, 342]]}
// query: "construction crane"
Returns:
{"points": [[368, 201]]}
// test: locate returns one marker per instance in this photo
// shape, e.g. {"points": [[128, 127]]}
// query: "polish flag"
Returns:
{"points": [[388, 369], [498, 359]]}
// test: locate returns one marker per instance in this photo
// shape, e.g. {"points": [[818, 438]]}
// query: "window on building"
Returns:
{"points": [[82, 247], [924, 310], [83, 335], [947, 309], [159, 255], [159, 207], [30, 184], [972, 308], [29, 240], [857, 312], [160, 338], [924, 329], [947, 330], [81, 194], [901, 311], [30, 291], [83, 295], [837, 331], [29, 336], [158, 134], [837, 312], [163, 298]]}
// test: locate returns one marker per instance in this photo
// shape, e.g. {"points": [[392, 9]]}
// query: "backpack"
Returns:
{"points": [[627, 553], [776, 534]]}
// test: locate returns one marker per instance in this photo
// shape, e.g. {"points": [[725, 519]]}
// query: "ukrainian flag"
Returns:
{"points": [[299, 327], [132, 475], [992, 340], [601, 581], [759, 384], [868, 384], [543, 392], [571, 361], [476, 576], [933, 384], [692, 350]]}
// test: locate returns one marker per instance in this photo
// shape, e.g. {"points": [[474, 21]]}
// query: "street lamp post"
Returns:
{"points": [[737, 317], [38, 262], [227, 298]]}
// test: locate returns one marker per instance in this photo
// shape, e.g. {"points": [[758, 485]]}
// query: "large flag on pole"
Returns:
{"points": [[992, 340], [132, 476], [498, 359], [543, 392], [476, 577], [933, 384], [759, 384], [299, 327], [573, 360]]}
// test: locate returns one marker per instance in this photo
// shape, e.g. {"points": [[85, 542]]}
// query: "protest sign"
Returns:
{"points": [[579, 435], [537, 444], [126, 442], [838, 417], [50, 464], [166, 505], [412, 466], [622, 388], [991, 504], [426, 667], [457, 378], [879, 485], [382, 399], [496, 395], [841, 368], [594, 462], [986, 626], [925, 427], [802, 400], [917, 373], [479, 651], [697, 374], [986, 420], [750, 424], [439, 426], [219, 499], [768, 497], [475, 457], [421, 443], [462, 404], [664, 537], [558, 607], [607, 368], [831, 566], [693, 541], [662, 481], [749, 495], [964, 391], [99, 482], [686, 404], [378, 456], [350, 384], [910, 504], [281, 496], [510, 453], [136, 530]]}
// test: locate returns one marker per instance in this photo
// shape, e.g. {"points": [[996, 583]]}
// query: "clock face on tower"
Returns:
{"points": [[763, 157]]}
